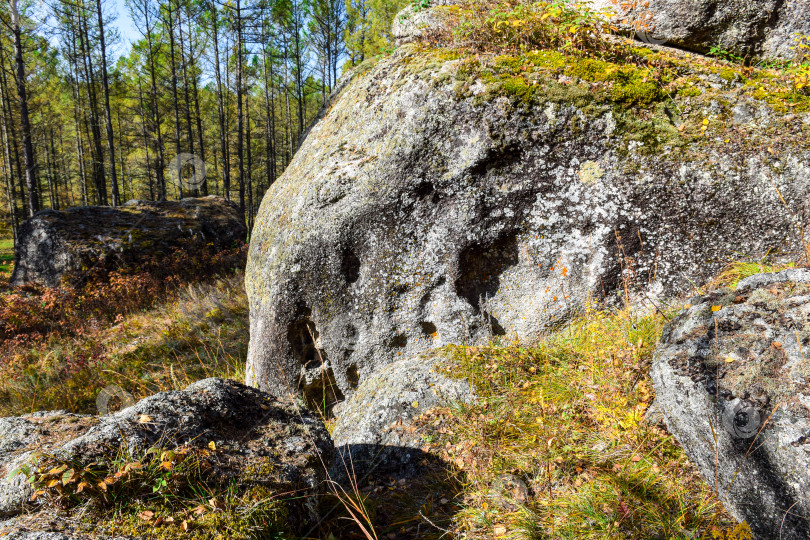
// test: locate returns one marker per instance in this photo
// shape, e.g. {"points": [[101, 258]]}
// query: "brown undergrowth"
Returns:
{"points": [[144, 330]]}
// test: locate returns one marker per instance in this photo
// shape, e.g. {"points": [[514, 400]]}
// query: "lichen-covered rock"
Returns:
{"points": [[13, 530], [732, 377], [22, 436], [54, 243], [766, 28], [373, 431], [445, 199], [258, 439], [415, 23]]}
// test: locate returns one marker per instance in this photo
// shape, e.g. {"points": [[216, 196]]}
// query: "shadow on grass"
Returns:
{"points": [[405, 493]]}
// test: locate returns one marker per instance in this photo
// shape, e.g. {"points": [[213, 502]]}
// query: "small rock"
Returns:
{"points": [[374, 431]]}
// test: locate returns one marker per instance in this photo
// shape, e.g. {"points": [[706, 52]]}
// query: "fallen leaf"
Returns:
{"points": [[717, 308], [147, 515]]}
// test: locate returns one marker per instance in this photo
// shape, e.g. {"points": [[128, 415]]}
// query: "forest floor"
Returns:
{"points": [[6, 256], [196, 332], [59, 348]]}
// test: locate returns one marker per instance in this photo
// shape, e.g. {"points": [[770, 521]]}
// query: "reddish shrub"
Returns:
{"points": [[104, 294]]}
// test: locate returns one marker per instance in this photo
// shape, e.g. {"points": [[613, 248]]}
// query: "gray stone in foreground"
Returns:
{"points": [[372, 432], [739, 376], [22, 436], [259, 440]]}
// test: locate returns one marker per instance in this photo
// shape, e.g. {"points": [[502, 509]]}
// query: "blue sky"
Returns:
{"points": [[124, 24]]}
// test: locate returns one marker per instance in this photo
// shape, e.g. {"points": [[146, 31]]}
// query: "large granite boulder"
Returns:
{"points": [[73, 242], [444, 199], [747, 28], [374, 433], [257, 441], [732, 377]]}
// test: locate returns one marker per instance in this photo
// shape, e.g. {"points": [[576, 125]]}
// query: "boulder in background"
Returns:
{"points": [[72, 242]]}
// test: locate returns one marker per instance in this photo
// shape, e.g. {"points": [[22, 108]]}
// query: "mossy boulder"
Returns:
{"points": [[445, 197], [72, 243]]}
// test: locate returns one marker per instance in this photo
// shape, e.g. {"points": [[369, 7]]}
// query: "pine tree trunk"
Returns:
{"points": [[4, 88], [145, 141], [161, 158], [25, 121], [240, 126], [105, 81], [11, 192], [269, 111], [175, 102], [196, 95], [97, 154], [226, 176]]}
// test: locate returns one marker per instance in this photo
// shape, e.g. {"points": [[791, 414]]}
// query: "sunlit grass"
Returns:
{"points": [[6, 257], [565, 416], [199, 332]]}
